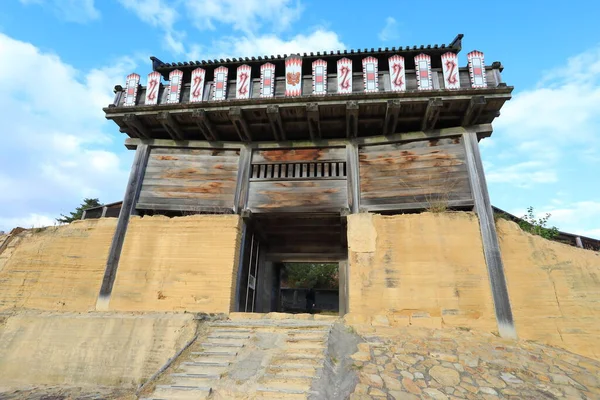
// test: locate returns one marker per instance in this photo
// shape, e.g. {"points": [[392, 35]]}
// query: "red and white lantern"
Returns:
{"points": [[152, 88], [423, 69], [477, 69], [267, 80], [197, 86], [131, 89], [319, 78], [242, 82], [450, 70], [370, 76], [293, 76], [175, 83], [220, 84], [344, 75], [397, 73]]}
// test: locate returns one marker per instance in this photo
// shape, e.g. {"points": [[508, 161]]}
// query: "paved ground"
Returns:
{"points": [[418, 363]]}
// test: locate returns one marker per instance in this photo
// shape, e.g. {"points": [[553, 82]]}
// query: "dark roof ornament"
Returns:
{"points": [[156, 63]]}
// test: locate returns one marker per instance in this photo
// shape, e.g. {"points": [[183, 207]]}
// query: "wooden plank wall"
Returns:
{"points": [[298, 180], [180, 179], [414, 175]]}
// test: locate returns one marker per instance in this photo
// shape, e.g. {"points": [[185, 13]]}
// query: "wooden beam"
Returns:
{"points": [[351, 119], [432, 113], [134, 124], [206, 127], [482, 130], [171, 126], [243, 178], [83, 214], [491, 248], [353, 177], [132, 192], [314, 124], [392, 112], [276, 124], [104, 210], [240, 124], [412, 206], [476, 106], [578, 242]]}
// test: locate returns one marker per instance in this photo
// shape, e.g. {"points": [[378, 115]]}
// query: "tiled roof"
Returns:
{"points": [[455, 46]]}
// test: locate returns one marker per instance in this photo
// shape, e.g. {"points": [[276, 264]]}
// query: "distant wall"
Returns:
{"points": [[176, 264], [423, 269], [554, 290], [88, 349], [56, 268]]}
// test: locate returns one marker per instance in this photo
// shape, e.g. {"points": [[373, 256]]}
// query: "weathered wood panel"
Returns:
{"points": [[189, 179], [298, 155], [426, 172], [325, 195]]}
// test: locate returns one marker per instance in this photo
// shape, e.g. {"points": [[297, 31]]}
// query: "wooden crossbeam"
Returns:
{"points": [[206, 127], [314, 124], [432, 113], [351, 119], [134, 124], [392, 112], [240, 124], [276, 123], [476, 106], [171, 126]]}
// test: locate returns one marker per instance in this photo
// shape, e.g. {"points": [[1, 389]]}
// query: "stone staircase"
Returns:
{"points": [[272, 356]]}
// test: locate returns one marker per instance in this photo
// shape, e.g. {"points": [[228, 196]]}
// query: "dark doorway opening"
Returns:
{"points": [[284, 256]]}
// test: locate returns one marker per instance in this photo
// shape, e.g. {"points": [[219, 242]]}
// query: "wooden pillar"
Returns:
{"points": [[353, 177], [343, 287], [491, 248], [104, 209], [578, 242], [83, 214], [243, 179], [136, 176]]}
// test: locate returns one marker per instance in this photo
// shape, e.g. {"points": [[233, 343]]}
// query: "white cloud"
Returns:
{"points": [[80, 11], [27, 222], [523, 174], [247, 15], [319, 40], [58, 151], [390, 31]]}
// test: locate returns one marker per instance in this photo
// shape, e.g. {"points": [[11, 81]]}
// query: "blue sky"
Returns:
{"points": [[61, 58]]}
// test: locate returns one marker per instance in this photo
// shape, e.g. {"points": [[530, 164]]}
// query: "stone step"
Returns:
{"points": [[221, 344], [228, 336], [273, 324], [286, 382], [305, 346], [308, 332], [194, 381], [201, 369], [200, 375], [219, 331], [285, 361], [208, 364], [303, 371], [307, 338], [172, 392], [212, 352], [280, 393]]}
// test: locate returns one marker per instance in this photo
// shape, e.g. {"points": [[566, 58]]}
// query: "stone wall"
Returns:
{"points": [[89, 349], [419, 269], [56, 268], [176, 264], [554, 290]]}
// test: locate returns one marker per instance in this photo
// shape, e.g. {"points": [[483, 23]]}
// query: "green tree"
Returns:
{"points": [[317, 275], [75, 215], [537, 226]]}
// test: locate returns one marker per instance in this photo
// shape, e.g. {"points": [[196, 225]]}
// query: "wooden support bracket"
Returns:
{"points": [[170, 124], [118, 91], [276, 124], [391, 116], [135, 126], [206, 127], [351, 119], [476, 106], [314, 124], [432, 113], [240, 124]]}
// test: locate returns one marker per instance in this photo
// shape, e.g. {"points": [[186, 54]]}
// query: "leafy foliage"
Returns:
{"points": [[537, 226], [75, 215], [315, 275]]}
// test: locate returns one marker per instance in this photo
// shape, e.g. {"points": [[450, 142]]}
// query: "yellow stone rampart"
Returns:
{"points": [[176, 264], [554, 290], [89, 349], [56, 268], [418, 269]]}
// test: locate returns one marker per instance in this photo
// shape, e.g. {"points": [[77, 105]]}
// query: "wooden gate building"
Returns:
{"points": [[294, 143]]}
